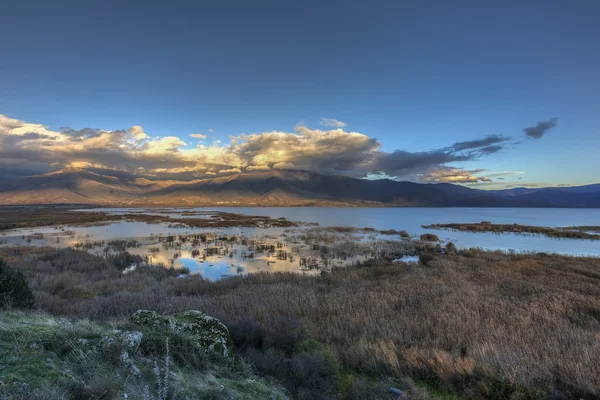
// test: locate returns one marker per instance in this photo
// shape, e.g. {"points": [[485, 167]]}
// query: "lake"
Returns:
{"points": [[411, 219], [230, 251]]}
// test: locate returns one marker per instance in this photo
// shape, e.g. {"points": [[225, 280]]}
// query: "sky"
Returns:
{"points": [[489, 94]]}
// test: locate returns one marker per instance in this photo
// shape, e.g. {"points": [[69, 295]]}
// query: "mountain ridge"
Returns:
{"points": [[273, 188]]}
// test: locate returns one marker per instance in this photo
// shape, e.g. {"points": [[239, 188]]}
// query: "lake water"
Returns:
{"points": [[230, 251], [411, 219]]}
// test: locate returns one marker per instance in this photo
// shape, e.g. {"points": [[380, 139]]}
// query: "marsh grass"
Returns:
{"points": [[576, 232], [30, 217], [475, 324]]}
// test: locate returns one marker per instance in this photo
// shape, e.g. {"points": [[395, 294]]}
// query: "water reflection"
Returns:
{"points": [[224, 252]]}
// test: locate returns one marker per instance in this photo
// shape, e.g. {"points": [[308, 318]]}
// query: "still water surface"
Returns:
{"points": [[411, 219], [232, 259]]}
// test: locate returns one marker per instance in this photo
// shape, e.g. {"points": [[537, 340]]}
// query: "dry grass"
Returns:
{"points": [[29, 217], [475, 323], [576, 232]]}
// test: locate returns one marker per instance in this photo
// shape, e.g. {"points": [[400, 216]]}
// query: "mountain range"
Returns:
{"points": [[274, 188]]}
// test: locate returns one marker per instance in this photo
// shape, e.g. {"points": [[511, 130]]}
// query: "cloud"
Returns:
{"points": [[231, 171], [526, 185], [197, 136], [284, 165], [484, 151], [539, 130], [211, 130], [479, 143], [455, 175], [504, 173], [34, 148], [258, 168], [333, 123]]}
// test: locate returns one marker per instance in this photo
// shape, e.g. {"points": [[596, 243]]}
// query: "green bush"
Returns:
{"points": [[14, 290]]}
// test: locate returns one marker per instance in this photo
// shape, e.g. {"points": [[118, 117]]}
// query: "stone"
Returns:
{"points": [[210, 333]]}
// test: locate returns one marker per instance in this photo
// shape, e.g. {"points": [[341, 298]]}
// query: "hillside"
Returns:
{"points": [[274, 188]]}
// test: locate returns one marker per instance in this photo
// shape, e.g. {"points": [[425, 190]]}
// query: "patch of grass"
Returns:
{"points": [[576, 232], [429, 237], [29, 217], [78, 359]]}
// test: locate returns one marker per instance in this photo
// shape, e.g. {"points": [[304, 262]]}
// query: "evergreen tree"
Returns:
{"points": [[14, 290]]}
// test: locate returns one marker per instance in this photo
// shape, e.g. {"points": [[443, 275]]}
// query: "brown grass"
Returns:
{"points": [[29, 217], [471, 323], [485, 226]]}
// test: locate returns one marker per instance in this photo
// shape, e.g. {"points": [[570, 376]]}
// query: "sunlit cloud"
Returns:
{"points": [[29, 148]]}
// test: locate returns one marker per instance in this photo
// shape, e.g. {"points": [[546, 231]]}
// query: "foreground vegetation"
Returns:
{"points": [[465, 325], [485, 226], [44, 357]]}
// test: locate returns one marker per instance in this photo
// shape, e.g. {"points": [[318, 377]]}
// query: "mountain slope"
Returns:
{"points": [[274, 188]]}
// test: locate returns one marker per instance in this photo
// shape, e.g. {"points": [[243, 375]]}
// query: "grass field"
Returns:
{"points": [[472, 325]]}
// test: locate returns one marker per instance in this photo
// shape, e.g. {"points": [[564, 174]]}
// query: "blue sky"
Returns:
{"points": [[417, 76]]}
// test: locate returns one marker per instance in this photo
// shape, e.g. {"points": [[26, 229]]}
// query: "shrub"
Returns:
{"points": [[425, 258], [429, 237], [14, 290], [124, 260], [451, 248]]}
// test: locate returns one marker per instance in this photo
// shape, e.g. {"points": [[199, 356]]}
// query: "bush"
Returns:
{"points": [[425, 258], [451, 248], [429, 237], [14, 290]]}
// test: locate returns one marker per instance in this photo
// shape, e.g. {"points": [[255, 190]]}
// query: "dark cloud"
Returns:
{"points": [[539, 130], [81, 134], [489, 150], [478, 143], [404, 163]]}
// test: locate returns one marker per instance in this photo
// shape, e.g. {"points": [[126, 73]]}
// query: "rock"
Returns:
{"points": [[149, 318], [209, 332], [128, 340]]}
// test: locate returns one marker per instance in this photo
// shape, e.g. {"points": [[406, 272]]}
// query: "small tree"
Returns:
{"points": [[14, 290]]}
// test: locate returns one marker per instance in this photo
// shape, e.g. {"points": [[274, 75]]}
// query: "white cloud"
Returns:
{"points": [[230, 171], [258, 168], [333, 123], [197, 136]]}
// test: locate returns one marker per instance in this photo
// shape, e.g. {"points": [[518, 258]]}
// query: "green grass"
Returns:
{"points": [[75, 358]]}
